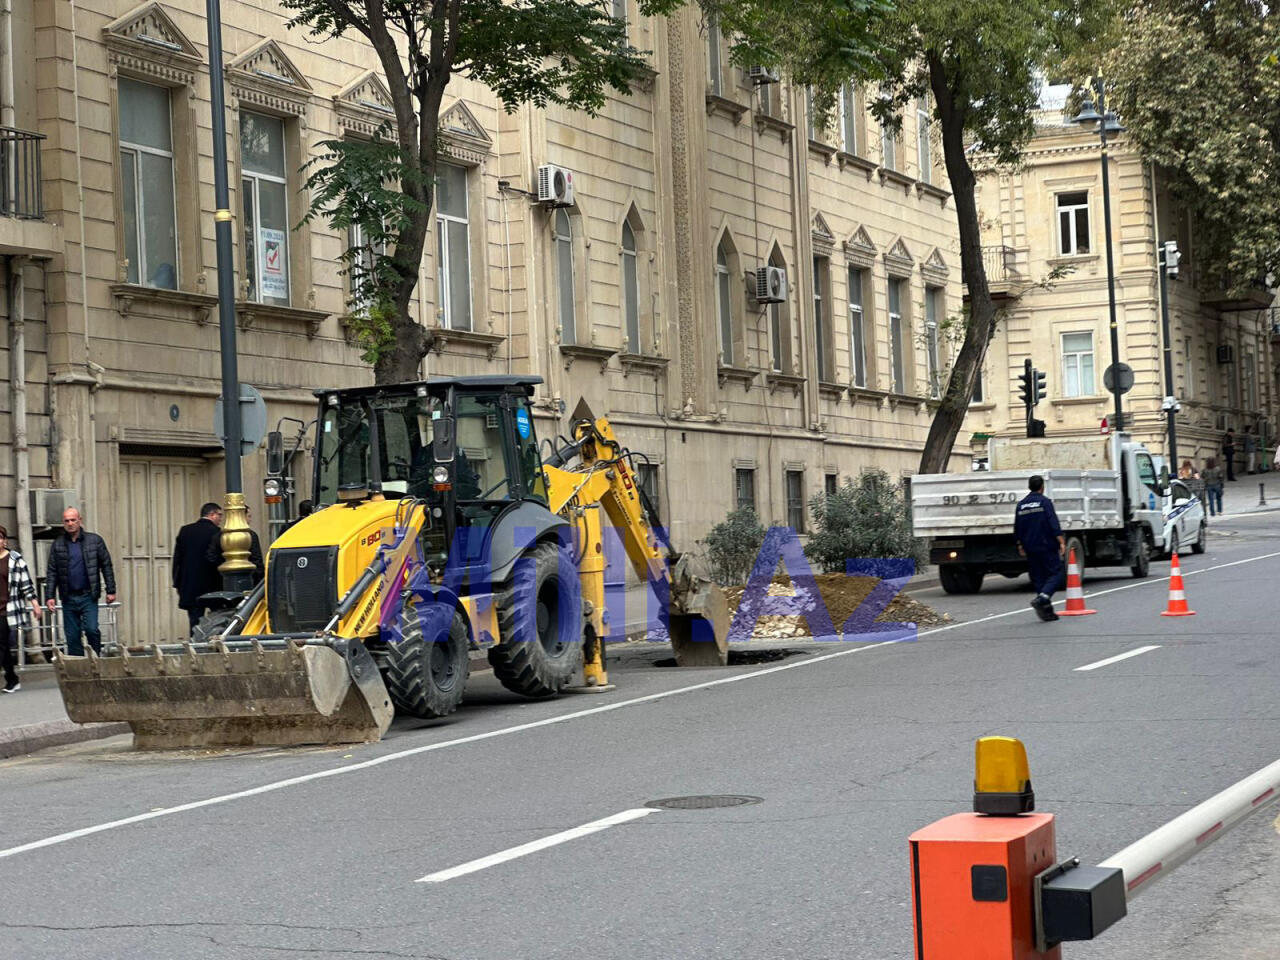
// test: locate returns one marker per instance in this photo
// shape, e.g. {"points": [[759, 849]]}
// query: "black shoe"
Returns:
{"points": [[1049, 613], [1042, 608]]}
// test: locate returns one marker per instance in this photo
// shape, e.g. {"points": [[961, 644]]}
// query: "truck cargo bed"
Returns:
{"points": [[983, 502]]}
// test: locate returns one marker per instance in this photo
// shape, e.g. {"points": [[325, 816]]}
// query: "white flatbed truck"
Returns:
{"points": [[1106, 491]]}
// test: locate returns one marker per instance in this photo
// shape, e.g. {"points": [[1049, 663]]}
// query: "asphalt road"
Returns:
{"points": [[316, 852]]}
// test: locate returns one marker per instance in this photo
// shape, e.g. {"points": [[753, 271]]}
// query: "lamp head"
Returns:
{"points": [[1087, 113]]}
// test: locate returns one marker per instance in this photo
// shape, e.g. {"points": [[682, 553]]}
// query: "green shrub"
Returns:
{"points": [[732, 546], [863, 519]]}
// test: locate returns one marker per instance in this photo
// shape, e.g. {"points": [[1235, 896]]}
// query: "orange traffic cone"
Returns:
{"points": [[1177, 599], [1075, 592]]}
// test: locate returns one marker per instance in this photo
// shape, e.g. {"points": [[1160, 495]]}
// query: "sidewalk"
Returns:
{"points": [[34, 718], [1241, 497]]}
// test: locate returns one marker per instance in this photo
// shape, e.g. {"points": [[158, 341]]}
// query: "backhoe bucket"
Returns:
{"points": [[231, 694], [699, 617]]}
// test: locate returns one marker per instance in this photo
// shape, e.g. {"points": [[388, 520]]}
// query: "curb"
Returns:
{"points": [[18, 741]]}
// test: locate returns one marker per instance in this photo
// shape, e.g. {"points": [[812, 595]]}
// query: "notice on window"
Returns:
{"points": [[275, 279]]}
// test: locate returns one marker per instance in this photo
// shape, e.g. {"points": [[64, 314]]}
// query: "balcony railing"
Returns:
{"points": [[21, 195], [1000, 263]]}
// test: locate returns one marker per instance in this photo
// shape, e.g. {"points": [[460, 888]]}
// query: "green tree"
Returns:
{"points": [[543, 52], [866, 519], [733, 544], [981, 63], [1197, 85]]}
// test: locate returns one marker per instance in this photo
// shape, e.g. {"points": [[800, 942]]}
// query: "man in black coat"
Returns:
{"points": [[193, 573], [79, 567], [214, 552]]}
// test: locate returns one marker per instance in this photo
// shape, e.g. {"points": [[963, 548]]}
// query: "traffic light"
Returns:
{"points": [[1026, 379], [1038, 383]]}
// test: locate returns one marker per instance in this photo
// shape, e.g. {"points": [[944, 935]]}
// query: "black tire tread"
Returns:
{"points": [[519, 662], [212, 624], [408, 674]]}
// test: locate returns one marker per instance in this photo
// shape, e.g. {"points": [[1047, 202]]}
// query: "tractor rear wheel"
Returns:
{"points": [[211, 625], [426, 676], [539, 623]]}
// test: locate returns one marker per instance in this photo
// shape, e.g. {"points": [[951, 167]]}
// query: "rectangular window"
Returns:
{"points": [[795, 500], [775, 337], [715, 65], [266, 208], [1077, 365], [620, 10], [1073, 223], [565, 290], [1188, 370], [830, 484], [1249, 377], [977, 388], [744, 488], [647, 481], [724, 307], [857, 335], [889, 144], [811, 116], [849, 119], [822, 320], [146, 176], [897, 348], [923, 145], [364, 252], [453, 239], [932, 311]]}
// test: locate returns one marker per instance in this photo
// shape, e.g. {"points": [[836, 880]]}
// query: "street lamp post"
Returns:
{"points": [[1167, 263], [1107, 123], [237, 571]]}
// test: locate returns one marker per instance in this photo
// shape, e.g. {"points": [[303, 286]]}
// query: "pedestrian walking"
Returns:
{"points": [[1212, 477], [16, 591], [1229, 453], [214, 552], [1187, 471], [1275, 460], [1250, 450], [194, 574], [79, 568], [1040, 540]]}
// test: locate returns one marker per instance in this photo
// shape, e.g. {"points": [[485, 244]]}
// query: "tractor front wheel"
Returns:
{"points": [[539, 623], [426, 675]]}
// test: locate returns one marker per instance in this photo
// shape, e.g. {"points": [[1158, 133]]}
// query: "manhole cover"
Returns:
{"points": [[705, 802]]}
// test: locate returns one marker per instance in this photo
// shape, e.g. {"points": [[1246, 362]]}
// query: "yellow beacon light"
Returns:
{"points": [[1002, 778]]}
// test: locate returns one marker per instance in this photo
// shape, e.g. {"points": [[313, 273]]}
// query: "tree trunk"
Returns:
{"points": [[981, 310]]}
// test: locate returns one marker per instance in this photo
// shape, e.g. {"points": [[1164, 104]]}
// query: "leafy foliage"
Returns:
{"points": [[863, 519], [1197, 85], [733, 545], [570, 52]]}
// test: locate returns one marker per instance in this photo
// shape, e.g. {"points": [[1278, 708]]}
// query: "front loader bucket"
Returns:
{"points": [[238, 695], [699, 617]]}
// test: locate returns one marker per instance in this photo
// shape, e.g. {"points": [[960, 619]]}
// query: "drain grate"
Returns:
{"points": [[704, 802]]}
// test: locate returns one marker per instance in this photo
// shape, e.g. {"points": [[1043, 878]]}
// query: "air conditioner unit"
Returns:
{"points": [[48, 503], [1226, 353], [771, 285], [761, 75], [555, 185]]}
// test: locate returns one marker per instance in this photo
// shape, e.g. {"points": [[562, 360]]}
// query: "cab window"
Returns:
{"points": [[1180, 493], [480, 471], [1147, 472], [527, 455]]}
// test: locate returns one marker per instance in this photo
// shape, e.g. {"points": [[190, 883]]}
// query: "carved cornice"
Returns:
{"points": [[845, 160], [726, 107], [249, 312], [572, 352], [200, 305], [742, 375], [364, 105], [263, 75], [441, 337], [146, 42]]}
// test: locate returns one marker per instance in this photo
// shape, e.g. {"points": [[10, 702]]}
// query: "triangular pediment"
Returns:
{"points": [[148, 28], [265, 61], [861, 240], [367, 92], [821, 229], [459, 120], [935, 263], [898, 251]]}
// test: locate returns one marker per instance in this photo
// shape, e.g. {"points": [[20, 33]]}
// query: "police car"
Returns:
{"points": [[1184, 523]]}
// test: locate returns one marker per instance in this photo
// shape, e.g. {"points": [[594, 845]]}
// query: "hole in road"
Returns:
{"points": [[745, 658], [703, 802]]}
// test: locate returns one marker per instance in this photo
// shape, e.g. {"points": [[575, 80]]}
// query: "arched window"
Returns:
{"points": [[564, 276], [630, 290], [724, 306]]}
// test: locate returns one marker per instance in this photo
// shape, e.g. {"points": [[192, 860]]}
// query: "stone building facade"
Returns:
{"points": [[1049, 215], [639, 297]]}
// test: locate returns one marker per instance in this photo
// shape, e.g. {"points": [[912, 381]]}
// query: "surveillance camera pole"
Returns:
{"points": [[1111, 270], [237, 571], [1171, 412]]}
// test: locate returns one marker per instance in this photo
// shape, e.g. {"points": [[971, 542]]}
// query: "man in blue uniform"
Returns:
{"points": [[1040, 540]]}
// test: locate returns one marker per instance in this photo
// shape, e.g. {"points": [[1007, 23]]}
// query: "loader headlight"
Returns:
{"points": [[440, 475], [271, 487]]}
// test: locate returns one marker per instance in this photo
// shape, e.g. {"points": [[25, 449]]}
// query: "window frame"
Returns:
{"points": [[1076, 355], [1188, 370], [629, 288], [715, 57], [1072, 211], [932, 298], [251, 184], [897, 329], [795, 506], [857, 327], [924, 146], [849, 117], [136, 149], [355, 241], [444, 285], [566, 300], [823, 320], [724, 306], [749, 475], [888, 147]]}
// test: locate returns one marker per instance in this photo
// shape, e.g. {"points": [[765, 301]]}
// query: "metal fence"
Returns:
{"points": [[21, 194], [48, 633], [999, 262]]}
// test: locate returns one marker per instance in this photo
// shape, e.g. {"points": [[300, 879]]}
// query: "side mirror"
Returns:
{"points": [[275, 453], [442, 440], [1164, 479]]}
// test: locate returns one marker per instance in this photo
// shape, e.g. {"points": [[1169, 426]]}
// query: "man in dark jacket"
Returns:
{"points": [[79, 566], [193, 574], [1040, 540], [214, 552]]}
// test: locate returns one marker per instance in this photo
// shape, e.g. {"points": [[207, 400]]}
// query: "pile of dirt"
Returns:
{"points": [[841, 595]]}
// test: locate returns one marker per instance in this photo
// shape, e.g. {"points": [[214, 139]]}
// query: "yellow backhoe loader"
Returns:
{"points": [[438, 530]]}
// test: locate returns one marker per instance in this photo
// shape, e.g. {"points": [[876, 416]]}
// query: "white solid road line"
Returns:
{"points": [[1118, 657], [548, 721], [564, 836]]}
